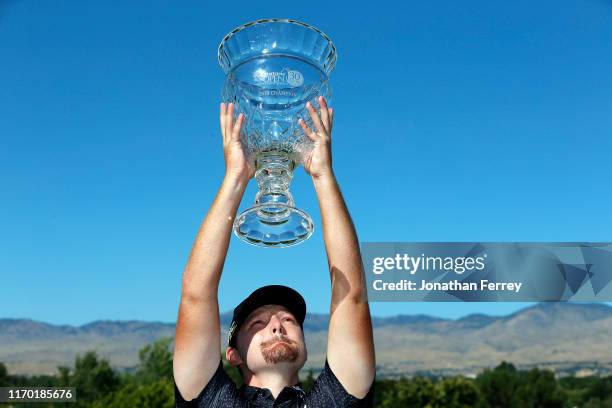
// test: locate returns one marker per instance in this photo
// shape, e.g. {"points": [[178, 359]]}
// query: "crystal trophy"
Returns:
{"points": [[272, 68]]}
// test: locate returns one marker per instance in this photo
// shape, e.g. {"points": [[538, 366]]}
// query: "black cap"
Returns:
{"points": [[267, 295]]}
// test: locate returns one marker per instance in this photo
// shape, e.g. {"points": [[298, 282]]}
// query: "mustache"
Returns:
{"points": [[273, 340]]}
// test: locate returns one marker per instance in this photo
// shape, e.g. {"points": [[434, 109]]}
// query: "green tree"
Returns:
{"points": [[93, 378], [308, 382], [539, 389], [457, 392], [402, 393], [599, 388], [151, 385], [155, 361], [3, 375], [156, 394], [63, 376], [498, 386]]}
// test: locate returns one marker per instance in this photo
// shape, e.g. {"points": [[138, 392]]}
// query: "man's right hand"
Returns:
{"points": [[237, 164]]}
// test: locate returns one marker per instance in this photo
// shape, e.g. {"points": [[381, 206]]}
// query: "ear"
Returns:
{"points": [[232, 356]]}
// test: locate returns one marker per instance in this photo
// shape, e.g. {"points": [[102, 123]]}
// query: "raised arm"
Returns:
{"points": [[197, 347], [350, 344]]}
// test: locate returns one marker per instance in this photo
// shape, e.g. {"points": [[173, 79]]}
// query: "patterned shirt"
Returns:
{"points": [[326, 392]]}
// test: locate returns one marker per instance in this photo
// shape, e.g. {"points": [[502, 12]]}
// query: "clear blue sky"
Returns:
{"points": [[472, 121]]}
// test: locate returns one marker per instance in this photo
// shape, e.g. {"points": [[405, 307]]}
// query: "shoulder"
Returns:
{"points": [[327, 391], [220, 391]]}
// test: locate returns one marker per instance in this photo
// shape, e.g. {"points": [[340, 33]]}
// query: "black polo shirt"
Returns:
{"points": [[326, 392]]}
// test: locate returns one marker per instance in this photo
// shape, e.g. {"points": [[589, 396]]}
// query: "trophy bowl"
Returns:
{"points": [[272, 68]]}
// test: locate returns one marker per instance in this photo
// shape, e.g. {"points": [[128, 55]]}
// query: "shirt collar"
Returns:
{"points": [[263, 396]]}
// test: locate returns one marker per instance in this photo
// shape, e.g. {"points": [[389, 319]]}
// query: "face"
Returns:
{"points": [[269, 338]]}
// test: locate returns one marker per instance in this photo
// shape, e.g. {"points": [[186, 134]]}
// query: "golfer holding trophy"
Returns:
{"points": [[274, 117]]}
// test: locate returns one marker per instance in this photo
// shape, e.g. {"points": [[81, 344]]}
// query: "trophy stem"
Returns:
{"points": [[273, 221], [274, 173]]}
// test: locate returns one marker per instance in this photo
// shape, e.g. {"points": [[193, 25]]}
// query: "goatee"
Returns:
{"points": [[279, 349]]}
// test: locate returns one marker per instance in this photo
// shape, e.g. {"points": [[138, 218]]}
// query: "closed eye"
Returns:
{"points": [[256, 322]]}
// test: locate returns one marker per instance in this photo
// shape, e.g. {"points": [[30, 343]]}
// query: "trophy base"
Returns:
{"points": [[273, 225]]}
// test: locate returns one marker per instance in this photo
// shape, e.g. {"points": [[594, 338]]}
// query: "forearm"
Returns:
{"points": [[341, 243], [205, 264], [350, 345]]}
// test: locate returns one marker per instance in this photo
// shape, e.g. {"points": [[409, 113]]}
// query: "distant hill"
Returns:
{"points": [[570, 338]]}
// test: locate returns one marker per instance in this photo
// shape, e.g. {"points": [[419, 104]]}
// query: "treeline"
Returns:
{"points": [[150, 385], [504, 386]]}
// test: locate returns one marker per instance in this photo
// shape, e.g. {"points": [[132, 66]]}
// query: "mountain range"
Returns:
{"points": [[569, 338]]}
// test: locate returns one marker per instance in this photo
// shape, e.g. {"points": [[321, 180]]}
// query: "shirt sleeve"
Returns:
{"points": [[219, 392], [327, 391]]}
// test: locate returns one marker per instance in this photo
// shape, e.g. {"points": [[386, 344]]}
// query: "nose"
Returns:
{"points": [[276, 325]]}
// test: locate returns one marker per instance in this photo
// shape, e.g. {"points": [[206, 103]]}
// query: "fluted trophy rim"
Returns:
{"points": [[332, 55]]}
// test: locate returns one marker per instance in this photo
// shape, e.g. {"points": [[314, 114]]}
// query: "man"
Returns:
{"points": [[266, 339]]}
